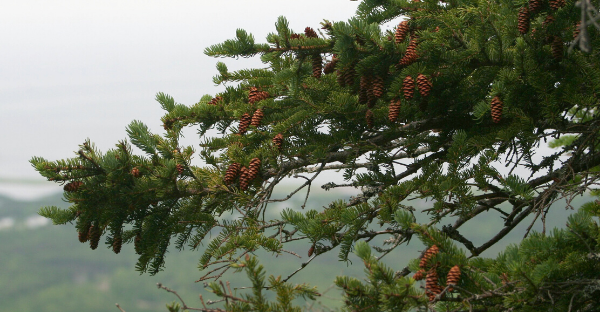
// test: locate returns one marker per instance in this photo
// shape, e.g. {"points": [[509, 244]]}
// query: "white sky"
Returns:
{"points": [[70, 69]]}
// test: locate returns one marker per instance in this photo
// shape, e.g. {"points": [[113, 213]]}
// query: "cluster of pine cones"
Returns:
{"points": [[245, 174], [432, 285], [533, 7]]}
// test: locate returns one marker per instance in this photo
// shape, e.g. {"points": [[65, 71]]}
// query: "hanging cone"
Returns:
{"points": [[394, 110], [365, 84], [377, 86], [278, 141], [311, 250], [424, 85], [244, 178], [137, 243], [419, 275], [253, 169], [523, 25], [310, 33], [94, 236], [84, 233], [117, 242], [453, 277], [244, 123], [317, 65], [257, 117], [410, 56], [180, 168], [432, 286], [496, 108], [557, 48], [341, 73], [556, 4], [548, 20], [432, 251], [534, 6], [330, 67], [408, 87], [401, 31], [349, 76], [72, 186], [231, 173], [369, 118], [577, 30], [135, 172], [215, 100], [253, 95]]}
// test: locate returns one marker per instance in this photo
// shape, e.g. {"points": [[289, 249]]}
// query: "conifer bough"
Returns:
{"points": [[450, 152]]}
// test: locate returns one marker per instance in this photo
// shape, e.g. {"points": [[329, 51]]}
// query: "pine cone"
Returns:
{"points": [[117, 242], [296, 36], [424, 85], [311, 250], [453, 277], [72, 186], [408, 87], [317, 65], [496, 108], [432, 287], [378, 86], [330, 67], [410, 56], [244, 123], [278, 141], [349, 75], [365, 84], [310, 33], [369, 118], [231, 173], [548, 20], [180, 168], [84, 233], [137, 243], [257, 117], [394, 110], [244, 178], [94, 236], [419, 275], [341, 73], [534, 6], [215, 100], [577, 30], [557, 48], [523, 20], [556, 4], [253, 95], [253, 169], [401, 31], [135, 172], [432, 251]]}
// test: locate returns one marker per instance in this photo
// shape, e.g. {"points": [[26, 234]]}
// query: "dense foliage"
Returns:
{"points": [[433, 109]]}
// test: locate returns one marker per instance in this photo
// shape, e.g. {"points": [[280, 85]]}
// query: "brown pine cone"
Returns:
{"points": [[310, 33], [548, 20], [401, 31], [117, 242], [317, 65], [408, 87], [84, 233], [278, 141], [341, 74], [253, 168], [349, 75], [432, 286], [257, 117], [244, 178], [369, 118], [534, 6], [311, 250], [296, 36], [394, 110], [363, 89], [577, 30], [453, 277], [424, 85], [253, 95], [410, 56], [377, 86], [72, 186], [137, 243], [556, 4], [231, 173], [432, 251], [215, 100], [135, 172], [244, 123], [523, 20], [94, 236], [419, 275], [180, 168], [496, 108], [557, 48], [330, 67]]}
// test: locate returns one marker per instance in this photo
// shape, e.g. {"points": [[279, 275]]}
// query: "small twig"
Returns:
{"points": [[119, 307]]}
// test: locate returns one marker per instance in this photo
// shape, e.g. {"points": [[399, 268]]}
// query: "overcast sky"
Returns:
{"points": [[70, 69]]}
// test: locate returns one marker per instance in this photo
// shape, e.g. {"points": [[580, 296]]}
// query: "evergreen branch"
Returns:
{"points": [[185, 307]]}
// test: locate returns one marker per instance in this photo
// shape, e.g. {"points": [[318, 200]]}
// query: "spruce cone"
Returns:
{"points": [[496, 108], [432, 251], [369, 118], [278, 141], [432, 287], [401, 31], [215, 100], [137, 243], [257, 117], [253, 95], [180, 168], [424, 85], [394, 110], [341, 73], [310, 33], [311, 250], [232, 173], [244, 123], [556, 4], [410, 55], [253, 169], [408, 87], [330, 67], [365, 84], [72, 186], [117, 242], [378, 86], [523, 20], [84, 234], [419, 275], [453, 277], [135, 172], [577, 30], [349, 74], [548, 20], [94, 236], [534, 5], [244, 178], [317, 65], [557, 48]]}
